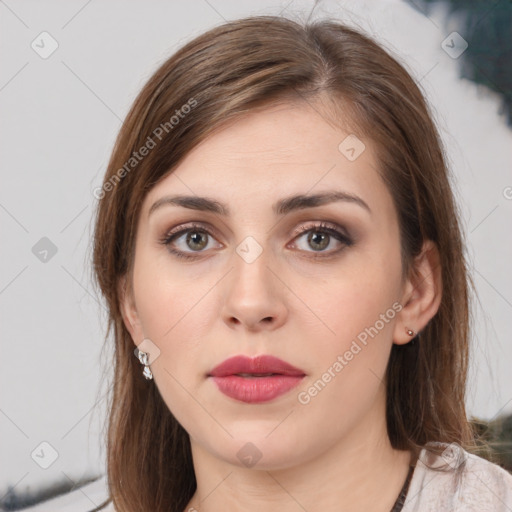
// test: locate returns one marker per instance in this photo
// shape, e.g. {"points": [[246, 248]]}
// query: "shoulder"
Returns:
{"points": [[459, 481], [83, 499]]}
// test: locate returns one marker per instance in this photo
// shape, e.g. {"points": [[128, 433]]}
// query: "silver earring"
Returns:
{"points": [[144, 359], [409, 332]]}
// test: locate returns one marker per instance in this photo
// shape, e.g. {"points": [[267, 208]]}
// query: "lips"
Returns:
{"points": [[253, 367], [256, 380]]}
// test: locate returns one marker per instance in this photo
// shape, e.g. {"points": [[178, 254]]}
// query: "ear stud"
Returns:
{"points": [[410, 332]]}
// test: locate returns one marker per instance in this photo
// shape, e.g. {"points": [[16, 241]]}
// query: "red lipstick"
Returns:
{"points": [[255, 380]]}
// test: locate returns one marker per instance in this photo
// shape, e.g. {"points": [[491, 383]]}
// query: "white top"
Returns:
{"points": [[469, 484]]}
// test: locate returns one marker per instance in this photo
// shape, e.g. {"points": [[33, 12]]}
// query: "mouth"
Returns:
{"points": [[255, 380], [259, 366]]}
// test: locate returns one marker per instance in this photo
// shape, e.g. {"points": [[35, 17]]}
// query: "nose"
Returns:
{"points": [[254, 295]]}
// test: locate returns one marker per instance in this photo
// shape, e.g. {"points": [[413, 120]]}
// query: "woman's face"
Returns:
{"points": [[317, 285]]}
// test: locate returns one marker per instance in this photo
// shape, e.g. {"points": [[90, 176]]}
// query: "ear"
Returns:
{"points": [[421, 295], [129, 311]]}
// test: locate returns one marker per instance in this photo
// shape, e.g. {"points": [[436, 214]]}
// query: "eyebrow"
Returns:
{"points": [[281, 207]]}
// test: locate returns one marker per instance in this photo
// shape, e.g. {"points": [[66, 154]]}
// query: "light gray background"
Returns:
{"points": [[60, 116]]}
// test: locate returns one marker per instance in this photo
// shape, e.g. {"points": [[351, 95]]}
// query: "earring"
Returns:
{"points": [[409, 332], [144, 359]]}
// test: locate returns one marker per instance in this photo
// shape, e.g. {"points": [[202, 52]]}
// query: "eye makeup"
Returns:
{"points": [[188, 232]]}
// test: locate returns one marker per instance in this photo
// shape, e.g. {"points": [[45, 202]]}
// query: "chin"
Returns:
{"points": [[256, 449]]}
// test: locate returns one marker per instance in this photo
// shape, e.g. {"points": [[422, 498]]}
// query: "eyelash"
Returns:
{"points": [[322, 227]]}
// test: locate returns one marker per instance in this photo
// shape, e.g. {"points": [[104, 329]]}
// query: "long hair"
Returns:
{"points": [[234, 68]]}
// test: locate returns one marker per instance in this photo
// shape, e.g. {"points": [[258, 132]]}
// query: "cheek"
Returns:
{"points": [[165, 298], [351, 301], [349, 364], [359, 308], [175, 312], [172, 315]]}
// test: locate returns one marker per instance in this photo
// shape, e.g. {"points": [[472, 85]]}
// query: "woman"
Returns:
{"points": [[279, 249]]}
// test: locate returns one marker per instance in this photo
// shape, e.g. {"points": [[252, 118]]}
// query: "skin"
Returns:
{"points": [[332, 453]]}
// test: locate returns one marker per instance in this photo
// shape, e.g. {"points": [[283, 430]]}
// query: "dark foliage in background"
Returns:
{"points": [[487, 28], [497, 438], [13, 500]]}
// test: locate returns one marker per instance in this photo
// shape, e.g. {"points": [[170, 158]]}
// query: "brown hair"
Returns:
{"points": [[231, 69]]}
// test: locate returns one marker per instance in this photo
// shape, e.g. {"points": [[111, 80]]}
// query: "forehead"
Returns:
{"points": [[272, 153]]}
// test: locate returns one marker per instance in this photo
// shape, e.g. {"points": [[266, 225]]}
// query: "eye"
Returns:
{"points": [[189, 239], [321, 236]]}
